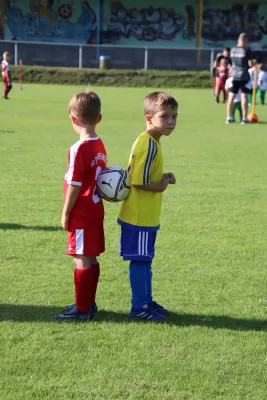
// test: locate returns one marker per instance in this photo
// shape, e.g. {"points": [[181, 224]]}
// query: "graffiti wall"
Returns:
{"points": [[222, 24], [151, 24], [59, 21], [137, 23]]}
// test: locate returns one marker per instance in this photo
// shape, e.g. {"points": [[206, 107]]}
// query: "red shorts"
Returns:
{"points": [[89, 241]]}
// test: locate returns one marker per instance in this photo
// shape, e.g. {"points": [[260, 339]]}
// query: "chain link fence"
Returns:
{"points": [[121, 57]]}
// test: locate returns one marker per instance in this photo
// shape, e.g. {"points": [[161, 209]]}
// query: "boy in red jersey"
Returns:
{"points": [[83, 211], [6, 76], [222, 76]]}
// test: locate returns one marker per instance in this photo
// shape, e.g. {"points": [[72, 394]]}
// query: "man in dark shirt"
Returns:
{"points": [[240, 56]]}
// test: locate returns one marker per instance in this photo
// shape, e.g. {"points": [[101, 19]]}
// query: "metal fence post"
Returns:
{"points": [[211, 59], [146, 58], [16, 53], [80, 56]]}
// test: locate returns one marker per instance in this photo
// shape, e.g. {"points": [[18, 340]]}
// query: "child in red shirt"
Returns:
{"points": [[222, 76], [83, 211]]}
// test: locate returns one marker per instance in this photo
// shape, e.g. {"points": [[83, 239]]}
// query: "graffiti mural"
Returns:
{"points": [[51, 20], [146, 23], [225, 24], [157, 23]]}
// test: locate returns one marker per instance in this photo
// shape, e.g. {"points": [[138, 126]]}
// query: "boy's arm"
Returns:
{"points": [[8, 75], [74, 180], [71, 197], [155, 187]]}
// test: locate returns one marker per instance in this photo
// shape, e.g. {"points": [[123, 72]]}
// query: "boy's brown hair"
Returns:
{"points": [[261, 67], [86, 107], [155, 101]]}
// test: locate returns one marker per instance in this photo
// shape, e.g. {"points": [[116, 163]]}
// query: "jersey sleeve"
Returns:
{"points": [[142, 163], [77, 167]]}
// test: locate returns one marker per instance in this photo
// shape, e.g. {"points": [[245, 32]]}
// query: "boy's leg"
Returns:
{"points": [[9, 88], [244, 105], [5, 88], [233, 113], [138, 247], [217, 92], [239, 108], [262, 96], [87, 270], [149, 282], [224, 94], [138, 282], [230, 104], [84, 282]]}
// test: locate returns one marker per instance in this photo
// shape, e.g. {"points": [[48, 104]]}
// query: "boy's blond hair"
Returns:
{"points": [[5, 54], [86, 107], [155, 101], [253, 63]]}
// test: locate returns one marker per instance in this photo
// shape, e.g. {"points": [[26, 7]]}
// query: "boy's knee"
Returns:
{"points": [[81, 262]]}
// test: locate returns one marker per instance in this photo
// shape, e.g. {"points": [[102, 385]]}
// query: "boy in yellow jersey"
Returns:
{"points": [[140, 212]]}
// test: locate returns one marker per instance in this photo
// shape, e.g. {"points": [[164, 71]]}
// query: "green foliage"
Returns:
{"points": [[112, 77], [209, 270]]}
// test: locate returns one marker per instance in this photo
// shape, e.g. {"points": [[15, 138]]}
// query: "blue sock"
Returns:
{"points": [[138, 281], [149, 282]]}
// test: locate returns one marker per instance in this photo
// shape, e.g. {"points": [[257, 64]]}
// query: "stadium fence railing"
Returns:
{"points": [[121, 57]]}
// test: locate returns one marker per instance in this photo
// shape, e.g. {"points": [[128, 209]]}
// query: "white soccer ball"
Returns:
{"points": [[113, 183]]}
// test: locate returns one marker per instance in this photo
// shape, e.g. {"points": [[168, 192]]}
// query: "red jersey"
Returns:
{"points": [[86, 159], [222, 74], [5, 69]]}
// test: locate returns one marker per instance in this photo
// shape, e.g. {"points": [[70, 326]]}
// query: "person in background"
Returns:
{"points": [[241, 55], [6, 75], [222, 75], [251, 72], [224, 54], [262, 83]]}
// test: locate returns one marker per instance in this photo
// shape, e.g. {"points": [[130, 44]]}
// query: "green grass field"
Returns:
{"points": [[209, 270]]}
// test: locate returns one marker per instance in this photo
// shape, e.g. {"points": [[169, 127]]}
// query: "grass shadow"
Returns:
{"points": [[11, 226], [32, 313], [6, 131]]}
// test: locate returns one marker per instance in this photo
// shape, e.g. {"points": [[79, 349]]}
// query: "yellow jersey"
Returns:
{"points": [[142, 208]]}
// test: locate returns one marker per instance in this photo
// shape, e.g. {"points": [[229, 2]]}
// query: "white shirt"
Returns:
{"points": [[262, 80]]}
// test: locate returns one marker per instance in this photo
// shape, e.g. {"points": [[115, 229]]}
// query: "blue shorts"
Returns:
{"points": [[137, 244]]}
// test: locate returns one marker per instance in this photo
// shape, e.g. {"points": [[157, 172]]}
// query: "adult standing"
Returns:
{"points": [[241, 55]]}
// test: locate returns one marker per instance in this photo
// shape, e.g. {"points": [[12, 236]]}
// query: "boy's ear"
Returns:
{"points": [[99, 118], [74, 120], [148, 118]]}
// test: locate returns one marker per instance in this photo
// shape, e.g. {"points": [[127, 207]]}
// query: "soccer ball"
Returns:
{"points": [[253, 118], [113, 183]]}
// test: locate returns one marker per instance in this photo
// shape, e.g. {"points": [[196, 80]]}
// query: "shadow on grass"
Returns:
{"points": [[9, 226], [31, 313]]}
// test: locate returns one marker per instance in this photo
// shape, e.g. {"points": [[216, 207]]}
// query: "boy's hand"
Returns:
{"points": [[171, 177], [65, 221], [164, 182]]}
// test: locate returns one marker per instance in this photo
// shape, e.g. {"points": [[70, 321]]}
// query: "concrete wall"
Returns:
{"points": [[169, 23]]}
